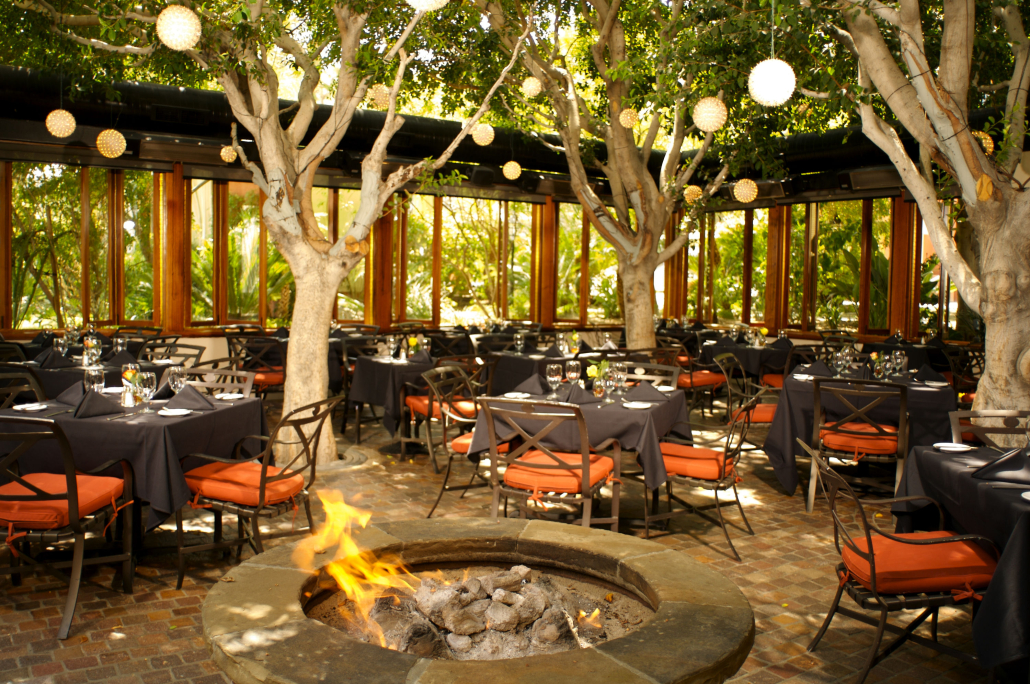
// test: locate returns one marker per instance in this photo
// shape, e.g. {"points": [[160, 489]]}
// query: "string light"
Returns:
{"points": [[771, 82], [483, 134], [629, 118], [986, 141], [427, 5], [531, 87], [745, 190], [228, 154], [380, 96], [692, 193], [512, 170], [60, 123], [709, 114], [111, 143], [178, 27]]}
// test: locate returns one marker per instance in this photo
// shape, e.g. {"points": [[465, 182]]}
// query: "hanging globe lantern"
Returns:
{"points": [[629, 118], [531, 87], [483, 134], [512, 170], [178, 27], [60, 123], [380, 96], [692, 193], [709, 114], [771, 82], [228, 154], [111, 143], [427, 5], [745, 190], [986, 141]]}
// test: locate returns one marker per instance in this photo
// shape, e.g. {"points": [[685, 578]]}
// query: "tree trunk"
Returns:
{"points": [[637, 283]]}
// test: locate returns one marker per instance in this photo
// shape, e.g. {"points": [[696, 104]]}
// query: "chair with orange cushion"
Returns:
{"points": [[978, 426], [888, 572], [740, 391], [262, 356], [852, 436], [264, 485], [555, 477], [967, 365], [449, 402], [701, 380], [714, 469], [798, 354], [35, 508]]}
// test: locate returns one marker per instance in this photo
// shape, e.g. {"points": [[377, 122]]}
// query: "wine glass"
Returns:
{"points": [[879, 369], [554, 374], [145, 388], [899, 361], [609, 386], [781, 335], [618, 372], [563, 345], [72, 335], [393, 343], [520, 342], [119, 344], [60, 345], [607, 339], [129, 373], [572, 371], [176, 378], [840, 362], [93, 379]]}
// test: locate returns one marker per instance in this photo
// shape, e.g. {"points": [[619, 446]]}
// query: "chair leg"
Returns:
{"points": [[898, 472], [179, 546], [471, 480], [255, 524], [357, 423], [218, 526], [828, 620], [73, 587], [588, 506], [129, 564], [311, 519], [874, 650], [496, 503], [616, 493], [813, 481], [14, 561], [241, 533], [741, 508], [722, 522], [933, 624], [443, 487]]}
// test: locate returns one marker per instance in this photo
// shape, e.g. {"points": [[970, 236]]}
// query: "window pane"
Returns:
{"points": [[320, 205], [728, 260], [242, 297], [796, 282], [880, 274], [350, 302], [45, 266], [202, 250], [570, 250], [280, 291], [760, 253], [138, 237], [470, 269], [520, 259], [840, 250], [99, 247], [418, 289], [604, 306]]}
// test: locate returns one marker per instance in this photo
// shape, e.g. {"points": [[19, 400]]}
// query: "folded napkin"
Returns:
{"points": [[56, 360], [609, 345], [164, 392], [281, 332], [510, 330], [894, 339], [645, 391], [725, 341], [936, 342], [120, 359], [495, 328], [189, 398], [1013, 466], [818, 368], [926, 373], [578, 395], [420, 357], [553, 352], [71, 396], [44, 338], [583, 346], [474, 330], [532, 385], [781, 343], [44, 355], [104, 339], [94, 404]]}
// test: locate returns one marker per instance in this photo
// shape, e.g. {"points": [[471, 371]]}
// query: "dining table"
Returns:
{"points": [[997, 510], [754, 360], [514, 368], [380, 381], [928, 407], [918, 355], [57, 380]]}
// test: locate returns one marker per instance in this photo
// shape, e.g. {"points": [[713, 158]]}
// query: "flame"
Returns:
{"points": [[361, 576], [594, 619]]}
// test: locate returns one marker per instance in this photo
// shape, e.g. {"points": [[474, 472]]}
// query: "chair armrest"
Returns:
{"points": [[900, 499], [940, 540]]}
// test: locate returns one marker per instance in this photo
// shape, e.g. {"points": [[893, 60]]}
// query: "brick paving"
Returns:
{"points": [[154, 635]]}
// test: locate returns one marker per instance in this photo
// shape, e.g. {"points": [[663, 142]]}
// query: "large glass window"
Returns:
{"points": [[880, 271], [840, 254], [99, 246], [350, 301], [796, 280], [570, 250], [470, 267], [759, 258], [413, 249], [605, 305], [202, 249], [727, 266], [138, 227], [519, 259], [244, 267]]}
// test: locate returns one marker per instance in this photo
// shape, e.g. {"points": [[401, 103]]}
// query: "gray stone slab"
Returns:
{"points": [[571, 667], [457, 539], [674, 576], [366, 539], [249, 597], [596, 552]]}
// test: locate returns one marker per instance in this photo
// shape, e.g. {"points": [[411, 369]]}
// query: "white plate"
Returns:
{"points": [[228, 396], [29, 408], [171, 413], [802, 377], [517, 395], [163, 362], [936, 383], [638, 405], [666, 388], [1026, 495], [952, 448], [113, 390]]}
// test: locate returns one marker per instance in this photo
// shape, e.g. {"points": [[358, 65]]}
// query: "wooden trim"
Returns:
{"points": [[584, 269], [382, 268], [6, 231], [810, 273], [437, 256], [536, 214], [865, 267], [748, 259], [775, 279], [548, 263], [116, 236], [333, 219], [157, 232], [711, 269], [263, 262], [502, 260], [401, 295], [177, 241], [916, 228], [905, 270], [699, 312], [83, 245]]}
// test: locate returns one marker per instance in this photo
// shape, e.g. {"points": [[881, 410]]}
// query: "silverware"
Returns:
{"points": [[57, 413], [123, 415], [1010, 486]]}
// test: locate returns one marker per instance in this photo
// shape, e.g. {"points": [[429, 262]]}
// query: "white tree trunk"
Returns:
{"points": [[638, 312]]}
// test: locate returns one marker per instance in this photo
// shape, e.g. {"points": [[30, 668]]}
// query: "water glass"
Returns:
{"points": [[781, 335], [119, 344], [840, 361], [60, 345], [879, 369], [609, 386], [554, 374], [520, 342], [618, 372], [129, 373], [176, 378], [392, 343], [145, 388], [72, 335], [899, 358], [563, 345], [93, 379], [572, 371]]}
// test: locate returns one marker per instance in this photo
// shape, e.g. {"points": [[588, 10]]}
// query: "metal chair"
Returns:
{"points": [[659, 375], [963, 429], [967, 365], [535, 472], [494, 342], [741, 392], [798, 355], [426, 409], [11, 352], [358, 328], [36, 509], [479, 369], [263, 356], [833, 332], [870, 565], [353, 348], [702, 379], [252, 487], [141, 332], [211, 380], [242, 329], [160, 350], [16, 380], [448, 343]]}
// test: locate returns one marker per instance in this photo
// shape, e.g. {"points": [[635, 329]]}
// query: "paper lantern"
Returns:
{"points": [[629, 118], [512, 170], [380, 96], [483, 134], [709, 114], [228, 154], [426, 5], [986, 141], [745, 190], [692, 193], [60, 123], [531, 87], [771, 82], [178, 27], [111, 143]]}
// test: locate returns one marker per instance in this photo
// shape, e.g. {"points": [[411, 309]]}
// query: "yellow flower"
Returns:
{"points": [[874, 356], [764, 331], [412, 341], [591, 371]]}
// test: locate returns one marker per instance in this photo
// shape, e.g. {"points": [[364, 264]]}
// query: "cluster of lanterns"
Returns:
{"points": [[380, 96]]}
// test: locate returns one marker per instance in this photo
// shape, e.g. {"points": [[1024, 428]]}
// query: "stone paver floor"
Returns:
{"points": [[154, 636]]}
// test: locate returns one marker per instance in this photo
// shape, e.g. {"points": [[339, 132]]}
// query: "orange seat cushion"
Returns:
{"points": [[860, 444], [94, 493], [420, 404], [462, 443], [967, 398], [773, 379], [909, 569], [701, 379], [761, 413], [555, 480], [683, 360], [269, 378], [240, 483], [695, 462]]}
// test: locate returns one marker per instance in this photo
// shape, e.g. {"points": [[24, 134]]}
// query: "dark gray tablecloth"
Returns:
{"points": [[928, 409], [636, 430], [918, 354], [1001, 630], [512, 369], [153, 445], [379, 383], [57, 380], [753, 360]]}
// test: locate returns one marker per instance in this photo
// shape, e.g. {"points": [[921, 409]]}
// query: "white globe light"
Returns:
{"points": [[771, 82], [986, 141], [483, 134], [60, 123], [129, 225], [426, 5], [512, 170], [228, 154], [692, 193], [531, 87], [111, 143], [178, 27], [745, 190], [380, 96], [629, 118], [709, 114]]}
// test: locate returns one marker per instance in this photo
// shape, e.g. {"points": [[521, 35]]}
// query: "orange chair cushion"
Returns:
{"points": [[773, 379], [420, 404], [860, 444], [908, 569], [683, 360], [761, 413], [556, 480], [695, 462], [967, 398], [701, 379], [94, 493], [240, 483], [461, 444], [269, 378]]}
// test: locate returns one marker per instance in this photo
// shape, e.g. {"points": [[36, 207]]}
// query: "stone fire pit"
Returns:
{"points": [[703, 629]]}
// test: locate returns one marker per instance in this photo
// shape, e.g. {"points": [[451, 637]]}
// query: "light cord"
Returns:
{"points": [[772, 28]]}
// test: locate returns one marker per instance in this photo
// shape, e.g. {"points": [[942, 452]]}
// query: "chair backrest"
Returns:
{"points": [[136, 331], [659, 375], [358, 328], [184, 354], [448, 343], [218, 380], [736, 378], [11, 352], [541, 340], [982, 424], [832, 332], [257, 353], [855, 401], [447, 385], [967, 365], [242, 329], [494, 342], [800, 355], [479, 369], [300, 431], [663, 356], [14, 380], [367, 345], [408, 327]]}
